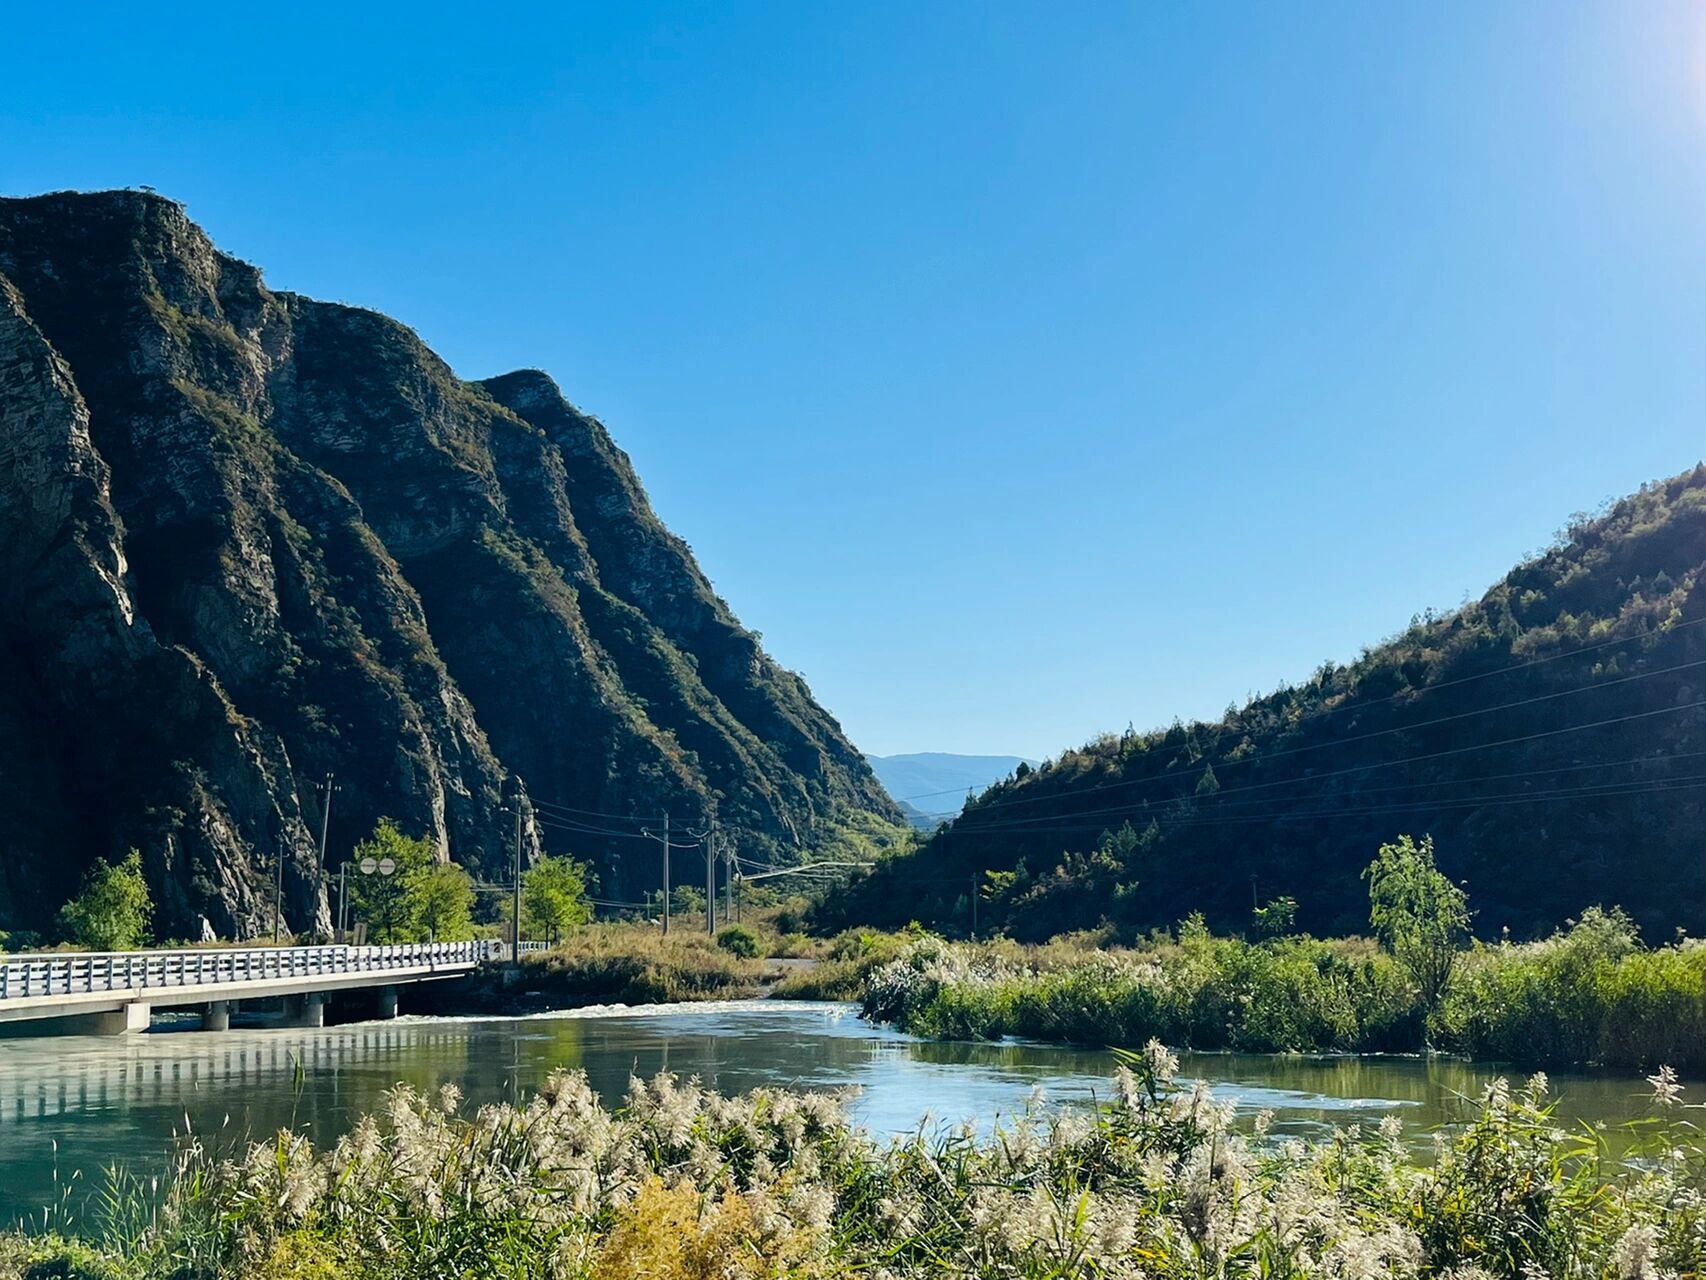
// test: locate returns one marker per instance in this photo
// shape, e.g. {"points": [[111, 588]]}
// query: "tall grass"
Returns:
{"points": [[635, 964], [683, 1184], [844, 966], [1589, 994]]}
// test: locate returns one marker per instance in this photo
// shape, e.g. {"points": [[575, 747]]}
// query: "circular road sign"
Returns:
{"points": [[387, 866], [369, 866]]}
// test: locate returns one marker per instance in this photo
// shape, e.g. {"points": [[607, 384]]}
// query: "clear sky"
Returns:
{"points": [[1018, 371]]}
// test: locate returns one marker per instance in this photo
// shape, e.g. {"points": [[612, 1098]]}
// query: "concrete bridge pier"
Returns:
{"points": [[306, 1010], [216, 1016], [387, 1003], [121, 1021]]}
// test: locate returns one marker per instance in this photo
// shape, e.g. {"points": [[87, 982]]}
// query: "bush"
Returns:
{"points": [[1292, 994], [111, 911], [845, 966], [741, 941], [1590, 993], [635, 964]]}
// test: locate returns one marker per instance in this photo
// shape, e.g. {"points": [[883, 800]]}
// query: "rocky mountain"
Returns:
{"points": [[1549, 736], [249, 539]]}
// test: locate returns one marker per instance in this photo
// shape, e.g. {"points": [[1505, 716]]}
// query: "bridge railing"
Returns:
{"points": [[92, 972]]}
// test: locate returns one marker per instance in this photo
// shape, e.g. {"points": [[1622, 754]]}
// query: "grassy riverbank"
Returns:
{"points": [[683, 1184], [1591, 993], [636, 964], [616, 964]]}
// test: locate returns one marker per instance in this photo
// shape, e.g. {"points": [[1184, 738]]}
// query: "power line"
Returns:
{"points": [[1402, 693], [1674, 785], [564, 824], [1607, 789], [1143, 806], [1360, 791], [591, 813], [974, 827]]}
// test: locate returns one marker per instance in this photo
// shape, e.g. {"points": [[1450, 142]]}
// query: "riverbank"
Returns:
{"points": [[631, 964], [684, 1182], [635, 964], [1589, 995]]}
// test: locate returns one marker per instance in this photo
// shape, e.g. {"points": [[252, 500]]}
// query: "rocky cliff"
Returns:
{"points": [[248, 539]]}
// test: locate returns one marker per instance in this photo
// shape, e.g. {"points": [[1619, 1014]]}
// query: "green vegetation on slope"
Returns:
{"points": [[1548, 736]]}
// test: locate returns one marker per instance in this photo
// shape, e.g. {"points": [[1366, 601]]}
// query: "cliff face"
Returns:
{"points": [[248, 539]]}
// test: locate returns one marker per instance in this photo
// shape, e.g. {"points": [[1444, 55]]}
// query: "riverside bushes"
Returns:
{"points": [[684, 1184], [634, 964], [1589, 994], [1204, 992]]}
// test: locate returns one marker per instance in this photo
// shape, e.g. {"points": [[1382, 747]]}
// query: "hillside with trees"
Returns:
{"points": [[1550, 737]]}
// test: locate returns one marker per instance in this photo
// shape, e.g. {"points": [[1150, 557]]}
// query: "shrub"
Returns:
{"points": [[635, 964], [741, 940], [111, 911]]}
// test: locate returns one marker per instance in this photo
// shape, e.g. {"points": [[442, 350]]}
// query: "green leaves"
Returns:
{"points": [[554, 896], [1421, 916], [422, 898], [112, 910]]}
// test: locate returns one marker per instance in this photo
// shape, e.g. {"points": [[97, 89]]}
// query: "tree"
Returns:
{"points": [[1276, 919], [111, 911], [1421, 916], [444, 902], [391, 904], [553, 896]]}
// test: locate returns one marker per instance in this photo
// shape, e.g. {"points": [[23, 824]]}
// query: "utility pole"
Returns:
{"points": [[974, 906], [278, 895], [666, 875], [711, 876], [326, 788], [729, 884], [516, 886]]}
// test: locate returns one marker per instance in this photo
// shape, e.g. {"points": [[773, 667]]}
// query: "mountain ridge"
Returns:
{"points": [[1542, 734], [252, 539], [926, 784]]}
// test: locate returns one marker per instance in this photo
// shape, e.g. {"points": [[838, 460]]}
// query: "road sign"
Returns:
{"points": [[369, 866], [387, 866]]}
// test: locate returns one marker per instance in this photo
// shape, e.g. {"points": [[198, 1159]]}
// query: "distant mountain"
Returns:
{"points": [[1549, 736], [931, 786], [249, 539]]}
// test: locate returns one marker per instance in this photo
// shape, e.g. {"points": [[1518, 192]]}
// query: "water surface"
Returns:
{"points": [[79, 1103]]}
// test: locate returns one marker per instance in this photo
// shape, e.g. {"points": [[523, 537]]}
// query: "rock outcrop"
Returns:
{"points": [[248, 540]]}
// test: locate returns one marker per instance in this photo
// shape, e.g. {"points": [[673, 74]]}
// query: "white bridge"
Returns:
{"points": [[109, 993]]}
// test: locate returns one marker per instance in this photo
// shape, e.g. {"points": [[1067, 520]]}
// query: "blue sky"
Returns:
{"points": [[1018, 371]]}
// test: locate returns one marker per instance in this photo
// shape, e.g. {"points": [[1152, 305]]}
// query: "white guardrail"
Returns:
{"points": [[92, 972]]}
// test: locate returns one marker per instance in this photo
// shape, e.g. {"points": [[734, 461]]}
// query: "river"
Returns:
{"points": [[78, 1104]]}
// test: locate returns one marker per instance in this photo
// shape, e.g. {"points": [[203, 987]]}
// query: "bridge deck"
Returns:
{"points": [[67, 984]]}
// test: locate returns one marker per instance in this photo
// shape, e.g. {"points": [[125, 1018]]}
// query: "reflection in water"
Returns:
{"points": [[122, 1099]]}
